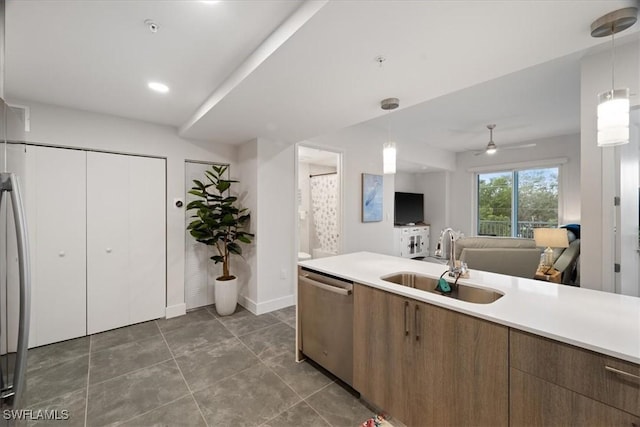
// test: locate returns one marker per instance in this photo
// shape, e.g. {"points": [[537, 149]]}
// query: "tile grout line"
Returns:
{"points": [[314, 409], [302, 399], [86, 398], [182, 375], [278, 376], [151, 410]]}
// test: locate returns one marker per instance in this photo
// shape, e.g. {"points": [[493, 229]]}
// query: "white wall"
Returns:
{"points": [[248, 264], [597, 243], [462, 187], [406, 182], [435, 187], [74, 128], [276, 222]]}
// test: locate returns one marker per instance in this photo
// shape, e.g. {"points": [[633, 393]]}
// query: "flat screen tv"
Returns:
{"points": [[408, 208]]}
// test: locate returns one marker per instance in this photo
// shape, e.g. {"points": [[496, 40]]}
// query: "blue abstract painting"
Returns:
{"points": [[371, 197]]}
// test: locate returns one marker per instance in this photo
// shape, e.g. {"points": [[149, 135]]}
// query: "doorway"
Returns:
{"points": [[627, 226], [199, 270], [319, 202]]}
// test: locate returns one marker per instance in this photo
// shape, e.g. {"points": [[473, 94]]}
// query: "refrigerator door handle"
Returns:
{"points": [[9, 183]]}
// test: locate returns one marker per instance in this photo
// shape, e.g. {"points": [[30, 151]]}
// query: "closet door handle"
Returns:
{"points": [[61, 254], [108, 250], [415, 317], [406, 318]]}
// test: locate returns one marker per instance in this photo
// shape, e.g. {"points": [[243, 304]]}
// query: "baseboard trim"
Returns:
{"points": [[175, 310], [267, 306]]}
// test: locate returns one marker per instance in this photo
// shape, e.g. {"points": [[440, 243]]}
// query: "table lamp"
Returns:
{"points": [[551, 238]]}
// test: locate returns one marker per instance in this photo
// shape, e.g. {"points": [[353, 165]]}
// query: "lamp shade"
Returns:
{"points": [[389, 158], [613, 117], [551, 237]]}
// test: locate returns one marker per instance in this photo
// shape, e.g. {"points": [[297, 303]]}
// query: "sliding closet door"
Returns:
{"points": [[107, 241], [147, 238], [56, 208]]}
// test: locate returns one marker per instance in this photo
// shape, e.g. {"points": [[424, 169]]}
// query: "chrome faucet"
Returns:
{"points": [[453, 270]]}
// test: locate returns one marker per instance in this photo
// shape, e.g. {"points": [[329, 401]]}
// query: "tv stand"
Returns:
{"points": [[411, 241]]}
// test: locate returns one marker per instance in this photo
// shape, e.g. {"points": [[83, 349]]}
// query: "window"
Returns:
{"points": [[531, 193]]}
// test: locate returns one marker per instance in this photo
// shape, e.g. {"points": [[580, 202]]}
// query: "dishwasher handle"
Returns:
{"points": [[346, 291]]}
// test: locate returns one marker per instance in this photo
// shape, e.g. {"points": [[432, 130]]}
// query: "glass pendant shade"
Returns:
{"points": [[389, 158], [613, 117]]}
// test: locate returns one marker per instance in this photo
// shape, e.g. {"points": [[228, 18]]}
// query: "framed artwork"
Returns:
{"points": [[371, 198]]}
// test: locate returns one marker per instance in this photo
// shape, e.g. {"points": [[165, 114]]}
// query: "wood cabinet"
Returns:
{"points": [[382, 349], [581, 387], [536, 402], [426, 365]]}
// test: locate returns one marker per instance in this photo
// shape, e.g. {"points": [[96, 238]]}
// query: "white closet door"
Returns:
{"points": [[107, 241], [57, 215], [199, 269], [146, 204]]}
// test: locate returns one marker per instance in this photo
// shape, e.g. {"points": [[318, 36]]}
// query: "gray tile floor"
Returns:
{"points": [[193, 370]]}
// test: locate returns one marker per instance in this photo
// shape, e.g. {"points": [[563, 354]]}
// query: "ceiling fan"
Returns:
{"points": [[492, 147]]}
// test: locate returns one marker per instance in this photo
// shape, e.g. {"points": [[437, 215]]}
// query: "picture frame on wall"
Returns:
{"points": [[372, 197]]}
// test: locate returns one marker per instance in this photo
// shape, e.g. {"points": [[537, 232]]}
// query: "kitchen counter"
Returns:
{"points": [[600, 321]]}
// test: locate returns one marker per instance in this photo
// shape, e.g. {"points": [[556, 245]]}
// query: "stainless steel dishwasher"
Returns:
{"points": [[325, 309]]}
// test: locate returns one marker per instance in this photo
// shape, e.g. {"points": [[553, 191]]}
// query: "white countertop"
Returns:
{"points": [[600, 321]]}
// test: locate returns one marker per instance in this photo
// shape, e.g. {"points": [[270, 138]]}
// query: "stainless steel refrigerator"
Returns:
{"points": [[15, 281]]}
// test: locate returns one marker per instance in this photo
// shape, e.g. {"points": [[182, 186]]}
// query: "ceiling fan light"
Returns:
{"points": [[613, 117], [389, 158], [491, 148]]}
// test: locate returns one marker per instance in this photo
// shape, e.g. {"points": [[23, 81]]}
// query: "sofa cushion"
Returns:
{"points": [[519, 262], [493, 242]]}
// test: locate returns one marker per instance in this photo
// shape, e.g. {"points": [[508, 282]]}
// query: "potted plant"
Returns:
{"points": [[218, 222]]}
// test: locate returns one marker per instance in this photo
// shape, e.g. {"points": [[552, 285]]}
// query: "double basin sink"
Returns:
{"points": [[458, 291]]}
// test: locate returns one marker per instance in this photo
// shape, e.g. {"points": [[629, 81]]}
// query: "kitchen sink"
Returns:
{"points": [[459, 291]]}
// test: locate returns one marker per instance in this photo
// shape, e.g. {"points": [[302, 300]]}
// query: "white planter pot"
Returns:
{"points": [[226, 296]]}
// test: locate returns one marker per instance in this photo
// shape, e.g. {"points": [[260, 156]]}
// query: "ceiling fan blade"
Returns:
{"points": [[517, 147]]}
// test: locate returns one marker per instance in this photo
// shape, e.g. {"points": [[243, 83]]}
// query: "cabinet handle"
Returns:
{"points": [[61, 254], [406, 318], [108, 250], [416, 321], [619, 372]]}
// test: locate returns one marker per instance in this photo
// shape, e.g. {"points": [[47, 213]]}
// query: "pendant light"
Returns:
{"points": [[613, 105], [389, 147]]}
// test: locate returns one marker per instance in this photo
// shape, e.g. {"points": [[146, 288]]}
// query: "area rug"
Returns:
{"points": [[377, 421]]}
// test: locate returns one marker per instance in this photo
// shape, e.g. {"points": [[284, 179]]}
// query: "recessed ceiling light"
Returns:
{"points": [[158, 87]]}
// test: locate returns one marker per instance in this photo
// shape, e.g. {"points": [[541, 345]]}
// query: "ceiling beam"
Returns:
{"points": [[277, 38]]}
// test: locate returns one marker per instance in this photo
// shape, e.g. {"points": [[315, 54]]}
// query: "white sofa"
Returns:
{"points": [[504, 255]]}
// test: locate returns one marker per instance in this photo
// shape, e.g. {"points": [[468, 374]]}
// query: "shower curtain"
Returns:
{"points": [[324, 206]]}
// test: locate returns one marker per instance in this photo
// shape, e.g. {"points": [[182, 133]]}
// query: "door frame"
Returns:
{"points": [[340, 171]]}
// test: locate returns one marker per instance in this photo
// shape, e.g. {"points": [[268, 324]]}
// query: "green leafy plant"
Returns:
{"points": [[218, 222]]}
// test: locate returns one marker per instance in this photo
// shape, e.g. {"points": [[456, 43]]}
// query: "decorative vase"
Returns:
{"points": [[226, 296]]}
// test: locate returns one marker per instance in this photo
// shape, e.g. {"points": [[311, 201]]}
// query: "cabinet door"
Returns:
{"points": [[461, 369], [57, 227], [382, 344], [107, 241], [536, 402], [147, 254]]}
